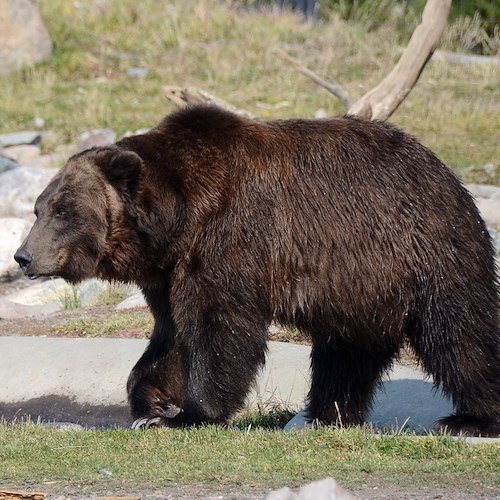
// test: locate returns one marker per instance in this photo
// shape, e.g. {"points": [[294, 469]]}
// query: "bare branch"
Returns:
{"points": [[185, 96], [380, 102], [333, 88]]}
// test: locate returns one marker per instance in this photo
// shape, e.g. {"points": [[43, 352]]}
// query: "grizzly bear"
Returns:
{"points": [[348, 229]]}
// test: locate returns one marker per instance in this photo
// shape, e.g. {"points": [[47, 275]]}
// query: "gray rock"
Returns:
{"points": [[19, 138], [19, 189], [325, 489], [14, 310], [103, 137], [91, 291], [484, 191], [41, 292], [25, 40], [7, 164], [490, 211], [24, 154], [12, 231]]}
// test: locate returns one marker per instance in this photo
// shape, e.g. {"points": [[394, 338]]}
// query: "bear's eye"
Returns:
{"points": [[60, 212]]}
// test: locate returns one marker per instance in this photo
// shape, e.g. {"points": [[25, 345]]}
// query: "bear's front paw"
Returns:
{"points": [[169, 412], [146, 423]]}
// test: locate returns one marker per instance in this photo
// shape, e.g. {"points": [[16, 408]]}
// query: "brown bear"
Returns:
{"points": [[348, 229]]}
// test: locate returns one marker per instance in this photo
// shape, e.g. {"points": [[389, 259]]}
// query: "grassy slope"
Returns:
{"points": [[455, 110]]}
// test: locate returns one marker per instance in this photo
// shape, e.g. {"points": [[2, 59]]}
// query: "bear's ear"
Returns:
{"points": [[124, 171]]}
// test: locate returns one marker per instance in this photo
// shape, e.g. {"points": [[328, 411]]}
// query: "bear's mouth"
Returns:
{"points": [[32, 276]]}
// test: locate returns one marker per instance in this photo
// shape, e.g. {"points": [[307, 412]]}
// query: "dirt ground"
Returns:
{"points": [[370, 487]]}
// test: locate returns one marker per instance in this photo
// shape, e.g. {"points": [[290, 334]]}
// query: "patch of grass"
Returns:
{"points": [[230, 456], [69, 298], [115, 325], [113, 294], [228, 51], [269, 417]]}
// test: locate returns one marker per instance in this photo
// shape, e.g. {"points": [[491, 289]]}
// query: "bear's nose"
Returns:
{"points": [[23, 258]]}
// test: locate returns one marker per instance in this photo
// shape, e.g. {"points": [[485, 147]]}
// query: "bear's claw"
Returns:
{"points": [[146, 423]]}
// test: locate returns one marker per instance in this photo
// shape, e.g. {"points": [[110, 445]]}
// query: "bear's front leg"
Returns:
{"points": [[157, 383], [223, 332]]}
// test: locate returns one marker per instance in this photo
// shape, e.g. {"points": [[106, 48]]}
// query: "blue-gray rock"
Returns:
{"points": [[19, 189], [7, 164], [17, 138]]}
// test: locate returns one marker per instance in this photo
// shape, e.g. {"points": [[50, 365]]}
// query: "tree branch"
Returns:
{"points": [[380, 102], [333, 88], [185, 96]]}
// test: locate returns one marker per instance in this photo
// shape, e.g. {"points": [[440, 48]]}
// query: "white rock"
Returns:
{"points": [[51, 291], [136, 300], [490, 211], [12, 231], [324, 489], [19, 189]]}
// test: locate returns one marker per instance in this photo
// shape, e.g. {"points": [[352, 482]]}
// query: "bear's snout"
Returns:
{"points": [[24, 258]]}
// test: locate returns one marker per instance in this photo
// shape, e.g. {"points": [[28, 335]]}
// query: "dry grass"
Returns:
{"points": [[229, 52]]}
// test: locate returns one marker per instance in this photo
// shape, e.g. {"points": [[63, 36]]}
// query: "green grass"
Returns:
{"points": [[114, 325], [227, 51], [231, 456]]}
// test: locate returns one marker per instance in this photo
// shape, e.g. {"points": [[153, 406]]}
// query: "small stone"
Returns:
{"points": [[18, 138], [105, 472], [38, 122], [7, 164], [489, 168], [102, 137], [320, 113], [137, 72]]}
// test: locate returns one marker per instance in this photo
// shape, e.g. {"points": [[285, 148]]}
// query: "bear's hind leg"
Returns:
{"points": [[344, 377], [456, 338]]}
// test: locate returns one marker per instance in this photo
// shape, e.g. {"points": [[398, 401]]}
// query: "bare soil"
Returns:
{"points": [[373, 487]]}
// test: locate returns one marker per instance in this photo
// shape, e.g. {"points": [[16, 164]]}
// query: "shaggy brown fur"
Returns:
{"points": [[346, 228]]}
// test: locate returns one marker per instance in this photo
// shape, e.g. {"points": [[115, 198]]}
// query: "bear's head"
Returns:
{"points": [[79, 228]]}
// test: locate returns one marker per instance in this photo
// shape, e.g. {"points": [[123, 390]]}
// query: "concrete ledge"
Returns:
{"points": [[83, 381]]}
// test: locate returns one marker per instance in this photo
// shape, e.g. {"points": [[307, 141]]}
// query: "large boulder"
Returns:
{"points": [[19, 189], [13, 232], [25, 39]]}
